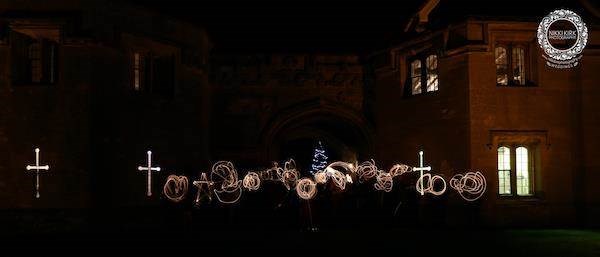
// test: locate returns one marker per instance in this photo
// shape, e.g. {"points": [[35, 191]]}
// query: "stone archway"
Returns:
{"points": [[294, 132]]}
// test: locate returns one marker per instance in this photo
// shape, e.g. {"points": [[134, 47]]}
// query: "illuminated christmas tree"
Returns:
{"points": [[319, 161]]}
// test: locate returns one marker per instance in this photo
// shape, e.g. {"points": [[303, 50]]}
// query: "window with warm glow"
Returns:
{"points": [[415, 75], [501, 66], [511, 65], [522, 163], [518, 65], [504, 170], [424, 74], [520, 160], [432, 73]]}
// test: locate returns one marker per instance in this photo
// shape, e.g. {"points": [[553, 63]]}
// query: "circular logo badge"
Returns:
{"points": [[562, 35]]}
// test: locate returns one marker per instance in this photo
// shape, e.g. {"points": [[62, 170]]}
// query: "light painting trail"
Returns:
{"points": [[366, 170], [204, 189], [37, 167], [228, 189], [149, 169], [338, 176], [427, 184], [384, 182], [471, 186], [321, 177], [251, 181], [306, 188], [400, 169], [290, 175], [176, 188], [227, 186], [272, 174], [420, 169]]}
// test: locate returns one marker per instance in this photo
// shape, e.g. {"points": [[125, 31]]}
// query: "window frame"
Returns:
{"points": [[148, 73], [509, 46], [510, 170], [142, 71], [422, 57], [428, 72], [420, 76], [47, 61], [531, 166]]}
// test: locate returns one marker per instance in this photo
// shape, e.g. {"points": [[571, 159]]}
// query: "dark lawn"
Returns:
{"points": [[348, 242]]}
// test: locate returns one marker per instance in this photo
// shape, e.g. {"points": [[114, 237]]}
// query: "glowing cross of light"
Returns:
{"points": [[37, 167], [149, 169], [420, 169]]}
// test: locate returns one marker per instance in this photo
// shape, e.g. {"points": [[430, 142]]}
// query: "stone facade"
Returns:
{"points": [[94, 124], [266, 101], [89, 122], [461, 126]]}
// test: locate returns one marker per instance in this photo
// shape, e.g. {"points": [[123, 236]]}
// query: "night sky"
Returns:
{"points": [[292, 25], [325, 26]]}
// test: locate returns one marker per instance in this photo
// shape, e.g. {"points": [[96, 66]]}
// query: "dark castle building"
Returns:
{"points": [[96, 84]]}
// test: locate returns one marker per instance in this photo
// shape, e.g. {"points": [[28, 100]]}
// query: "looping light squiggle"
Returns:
{"points": [[306, 188], [337, 176], [251, 181], [226, 183], [320, 177], [470, 186], [366, 170], [349, 179], [271, 174], [290, 175], [343, 167], [175, 188], [226, 186], [400, 169], [384, 182], [429, 184]]}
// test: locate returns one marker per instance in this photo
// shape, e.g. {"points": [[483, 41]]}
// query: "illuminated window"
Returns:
{"points": [[518, 65], [432, 73], [415, 75], [520, 160], [504, 170], [138, 72], [511, 65], [424, 74], [523, 183], [501, 66]]}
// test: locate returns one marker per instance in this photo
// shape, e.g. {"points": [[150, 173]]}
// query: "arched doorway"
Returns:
{"points": [[294, 134]]}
